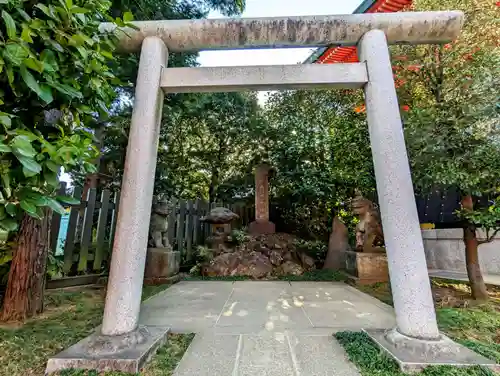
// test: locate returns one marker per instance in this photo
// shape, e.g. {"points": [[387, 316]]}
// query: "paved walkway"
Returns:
{"points": [[490, 279], [265, 328]]}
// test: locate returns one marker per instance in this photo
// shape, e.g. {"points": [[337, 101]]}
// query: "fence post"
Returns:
{"points": [[101, 229], [86, 239], [181, 226], [69, 245], [189, 231]]}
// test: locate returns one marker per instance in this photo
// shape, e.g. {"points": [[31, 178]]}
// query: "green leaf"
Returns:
{"points": [[26, 34], [30, 165], [10, 24], [69, 4], [52, 166], [51, 178], [23, 14], [8, 225], [66, 89], [6, 180], [78, 10], [5, 148], [55, 206], [11, 209], [68, 200], [49, 61], [15, 53], [46, 93], [31, 82], [48, 12], [107, 54], [5, 119], [21, 145], [128, 17], [34, 64], [28, 207]]}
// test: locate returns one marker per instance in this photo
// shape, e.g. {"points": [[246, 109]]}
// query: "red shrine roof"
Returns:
{"points": [[341, 54]]}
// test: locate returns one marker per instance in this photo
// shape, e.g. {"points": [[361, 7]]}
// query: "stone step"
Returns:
{"points": [[270, 354]]}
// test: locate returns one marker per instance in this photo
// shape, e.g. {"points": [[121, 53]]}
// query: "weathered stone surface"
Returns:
{"points": [[369, 234], [158, 225], [367, 268], [123, 299], [220, 216], [260, 257], [290, 268], [162, 263], [415, 313], [313, 31], [261, 227], [338, 243], [413, 354], [126, 353]]}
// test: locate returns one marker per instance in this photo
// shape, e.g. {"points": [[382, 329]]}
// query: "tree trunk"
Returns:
{"points": [[26, 284], [478, 288]]}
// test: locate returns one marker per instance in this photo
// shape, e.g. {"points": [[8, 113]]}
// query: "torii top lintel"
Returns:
{"points": [[282, 32]]}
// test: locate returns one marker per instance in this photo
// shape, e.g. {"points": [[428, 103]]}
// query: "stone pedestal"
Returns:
{"points": [[261, 228], [413, 354], [366, 268], [162, 263], [126, 353], [262, 225]]}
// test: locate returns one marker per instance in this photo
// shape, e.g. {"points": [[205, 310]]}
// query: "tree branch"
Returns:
{"points": [[489, 238]]}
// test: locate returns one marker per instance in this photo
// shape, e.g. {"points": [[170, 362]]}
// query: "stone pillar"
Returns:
{"points": [[262, 225], [123, 298], [411, 290]]}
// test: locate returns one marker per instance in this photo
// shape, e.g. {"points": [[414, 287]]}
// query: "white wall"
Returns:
{"points": [[444, 249]]}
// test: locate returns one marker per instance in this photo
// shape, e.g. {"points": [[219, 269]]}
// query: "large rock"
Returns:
{"points": [[260, 257]]}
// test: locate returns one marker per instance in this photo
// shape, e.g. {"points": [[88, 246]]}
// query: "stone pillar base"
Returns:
{"points": [[162, 263], [125, 353], [261, 228], [366, 268], [413, 354]]}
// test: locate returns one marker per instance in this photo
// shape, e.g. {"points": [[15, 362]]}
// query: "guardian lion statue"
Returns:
{"points": [[158, 226], [369, 234]]}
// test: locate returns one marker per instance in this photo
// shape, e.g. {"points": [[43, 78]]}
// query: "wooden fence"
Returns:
{"points": [[91, 224]]}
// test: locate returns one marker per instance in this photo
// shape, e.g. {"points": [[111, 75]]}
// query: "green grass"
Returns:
{"points": [[371, 361], [315, 275], [69, 316], [473, 324]]}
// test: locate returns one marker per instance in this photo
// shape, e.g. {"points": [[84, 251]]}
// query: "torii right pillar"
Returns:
{"points": [[415, 342]]}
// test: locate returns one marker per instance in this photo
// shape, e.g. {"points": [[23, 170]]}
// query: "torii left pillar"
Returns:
{"points": [[121, 344]]}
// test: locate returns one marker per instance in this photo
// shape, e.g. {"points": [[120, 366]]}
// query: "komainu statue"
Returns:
{"points": [[369, 235], [158, 226]]}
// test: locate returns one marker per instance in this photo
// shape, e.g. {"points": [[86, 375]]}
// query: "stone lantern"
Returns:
{"points": [[220, 225]]}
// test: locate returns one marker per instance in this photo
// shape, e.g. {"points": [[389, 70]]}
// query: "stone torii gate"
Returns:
{"points": [[417, 329]]}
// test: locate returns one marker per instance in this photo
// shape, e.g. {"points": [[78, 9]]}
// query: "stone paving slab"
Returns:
{"points": [[320, 356], [210, 355], [249, 328], [265, 354]]}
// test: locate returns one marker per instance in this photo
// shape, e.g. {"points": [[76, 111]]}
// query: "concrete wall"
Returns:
{"points": [[444, 249]]}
